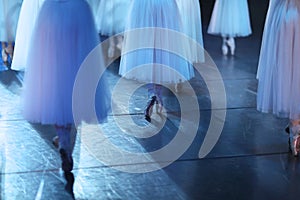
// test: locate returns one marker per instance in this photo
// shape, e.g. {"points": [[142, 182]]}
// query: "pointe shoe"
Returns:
{"points": [[149, 108], [159, 105], [66, 161], [178, 87], [224, 49], [4, 56], [231, 43], [120, 42], [111, 52], [69, 176], [294, 140], [10, 51], [55, 141], [119, 46]]}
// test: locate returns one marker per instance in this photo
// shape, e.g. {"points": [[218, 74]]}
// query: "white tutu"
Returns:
{"points": [[269, 38], [61, 41], [191, 21], [111, 16], [28, 14], [147, 44], [230, 18], [279, 71], [9, 15]]}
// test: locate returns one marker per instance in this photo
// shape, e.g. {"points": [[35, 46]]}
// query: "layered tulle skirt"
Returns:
{"points": [[61, 40], [230, 18], [111, 16], [28, 14], [190, 17], [278, 70], [269, 37], [150, 44], [9, 15]]}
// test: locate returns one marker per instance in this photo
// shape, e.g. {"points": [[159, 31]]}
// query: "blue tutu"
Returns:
{"points": [[61, 40]]}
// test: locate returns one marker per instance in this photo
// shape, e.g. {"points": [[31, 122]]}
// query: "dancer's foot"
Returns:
{"points": [[149, 108], [69, 176], [67, 160], [231, 43], [111, 52], [55, 141], [120, 42], [4, 56], [224, 49], [294, 140], [178, 87], [119, 46], [159, 105], [10, 50]]}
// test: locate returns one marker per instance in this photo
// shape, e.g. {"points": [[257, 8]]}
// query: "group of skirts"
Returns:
{"points": [[57, 35]]}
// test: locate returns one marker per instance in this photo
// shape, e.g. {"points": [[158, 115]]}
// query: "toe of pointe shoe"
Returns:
{"points": [[55, 141], [231, 43], [232, 52], [224, 50], [69, 176], [148, 118]]}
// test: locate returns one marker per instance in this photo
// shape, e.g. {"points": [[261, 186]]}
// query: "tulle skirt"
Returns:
{"points": [[269, 38], [230, 18], [94, 4], [192, 26], [9, 15], [28, 14], [151, 61], [61, 41], [111, 16], [278, 70]]}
